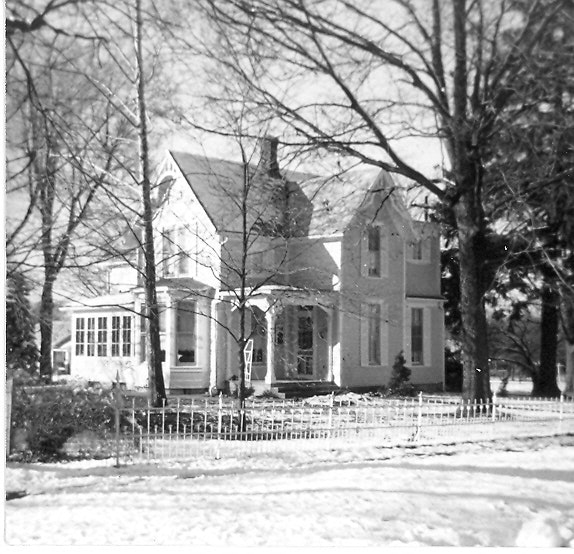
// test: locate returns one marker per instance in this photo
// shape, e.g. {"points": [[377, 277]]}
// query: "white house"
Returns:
{"points": [[338, 280]]}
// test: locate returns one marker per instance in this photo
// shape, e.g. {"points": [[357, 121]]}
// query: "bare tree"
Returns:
{"points": [[455, 64], [155, 382], [62, 145], [74, 104]]}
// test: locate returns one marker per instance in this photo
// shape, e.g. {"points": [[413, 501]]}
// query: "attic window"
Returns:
{"points": [[326, 205], [374, 251], [374, 255]]}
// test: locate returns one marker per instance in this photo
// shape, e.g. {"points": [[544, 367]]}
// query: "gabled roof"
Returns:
{"points": [[314, 205], [334, 201], [218, 185]]}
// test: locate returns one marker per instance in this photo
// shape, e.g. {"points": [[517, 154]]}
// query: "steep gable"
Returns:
{"points": [[293, 204], [218, 185], [327, 205]]}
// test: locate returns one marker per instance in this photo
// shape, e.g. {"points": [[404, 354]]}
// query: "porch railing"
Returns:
{"points": [[216, 427]]}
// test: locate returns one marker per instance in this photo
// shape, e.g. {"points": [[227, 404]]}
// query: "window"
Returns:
{"points": [[374, 334], [162, 312], [116, 334], [92, 339], [185, 340], [259, 334], [80, 336], [182, 247], [91, 342], [102, 344], [374, 252], [417, 336], [417, 250], [168, 251], [126, 336]]}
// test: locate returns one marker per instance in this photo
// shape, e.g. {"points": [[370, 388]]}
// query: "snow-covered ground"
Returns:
{"points": [[483, 494]]}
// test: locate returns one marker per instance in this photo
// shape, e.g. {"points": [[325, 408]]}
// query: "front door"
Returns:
{"points": [[305, 342]]}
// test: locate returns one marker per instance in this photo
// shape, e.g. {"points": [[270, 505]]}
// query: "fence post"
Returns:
{"points": [[419, 416], [330, 425], [561, 416], [494, 406], [117, 407], [219, 422], [9, 387]]}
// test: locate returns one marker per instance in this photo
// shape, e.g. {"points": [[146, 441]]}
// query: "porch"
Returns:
{"points": [[294, 340]]}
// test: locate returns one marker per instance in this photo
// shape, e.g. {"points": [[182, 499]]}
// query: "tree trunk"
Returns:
{"points": [[569, 378], [568, 329], [467, 210], [469, 217], [544, 381], [46, 327], [153, 344], [241, 388]]}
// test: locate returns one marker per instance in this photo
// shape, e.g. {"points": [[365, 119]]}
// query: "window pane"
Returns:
{"points": [[115, 335], [417, 250], [374, 239], [80, 336], [91, 336], [417, 336], [183, 262], [374, 334], [127, 336], [102, 336], [185, 333], [374, 252], [168, 251], [259, 335]]}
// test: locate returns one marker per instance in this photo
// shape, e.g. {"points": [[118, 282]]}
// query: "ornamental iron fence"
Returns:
{"points": [[190, 428]]}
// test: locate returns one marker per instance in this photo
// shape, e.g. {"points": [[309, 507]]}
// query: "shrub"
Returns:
{"points": [[399, 384], [45, 418], [269, 394]]}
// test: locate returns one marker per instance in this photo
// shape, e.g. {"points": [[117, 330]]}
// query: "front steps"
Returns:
{"points": [[302, 388]]}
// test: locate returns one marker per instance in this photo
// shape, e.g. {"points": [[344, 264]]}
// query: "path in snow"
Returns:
{"points": [[465, 495]]}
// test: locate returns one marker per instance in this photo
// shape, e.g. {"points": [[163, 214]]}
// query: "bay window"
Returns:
{"points": [[185, 339]]}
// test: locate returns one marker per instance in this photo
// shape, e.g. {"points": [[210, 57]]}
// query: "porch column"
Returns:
{"points": [[329, 312], [168, 344], [213, 336], [231, 351], [270, 318], [337, 346]]}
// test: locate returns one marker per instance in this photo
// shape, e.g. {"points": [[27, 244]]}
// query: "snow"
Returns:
{"points": [[505, 493]]}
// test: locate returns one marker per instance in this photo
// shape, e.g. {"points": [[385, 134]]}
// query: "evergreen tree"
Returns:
{"points": [[21, 350], [400, 376]]}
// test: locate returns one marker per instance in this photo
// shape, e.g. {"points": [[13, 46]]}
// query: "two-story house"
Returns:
{"points": [[335, 276]]}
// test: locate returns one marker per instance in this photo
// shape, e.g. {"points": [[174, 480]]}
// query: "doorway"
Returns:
{"points": [[305, 342]]}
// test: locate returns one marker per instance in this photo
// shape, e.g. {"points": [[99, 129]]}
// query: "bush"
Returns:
{"points": [[45, 418], [399, 384]]}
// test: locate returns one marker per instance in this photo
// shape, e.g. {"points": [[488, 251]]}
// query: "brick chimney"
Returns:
{"points": [[268, 156]]}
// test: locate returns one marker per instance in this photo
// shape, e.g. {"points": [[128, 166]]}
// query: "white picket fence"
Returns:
{"points": [[217, 428]]}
